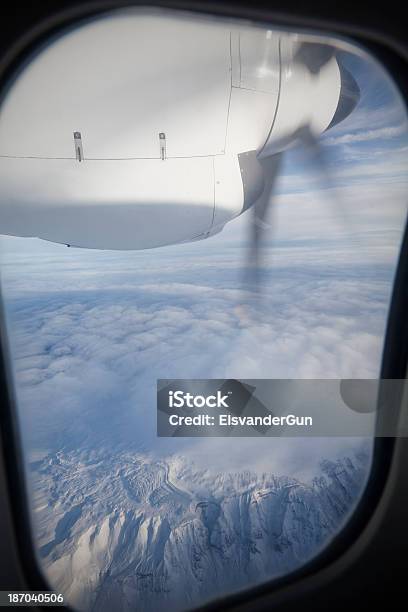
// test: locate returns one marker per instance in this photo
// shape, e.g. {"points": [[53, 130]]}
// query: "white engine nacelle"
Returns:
{"points": [[135, 131]]}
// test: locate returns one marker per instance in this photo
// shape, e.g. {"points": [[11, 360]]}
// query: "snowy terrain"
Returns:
{"points": [[125, 531]]}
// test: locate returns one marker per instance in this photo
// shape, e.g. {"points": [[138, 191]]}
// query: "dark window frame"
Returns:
{"points": [[392, 53]]}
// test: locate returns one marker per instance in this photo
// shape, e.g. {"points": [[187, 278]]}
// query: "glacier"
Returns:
{"points": [[123, 530]]}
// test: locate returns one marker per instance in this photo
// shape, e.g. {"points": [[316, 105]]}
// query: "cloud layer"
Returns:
{"points": [[91, 332]]}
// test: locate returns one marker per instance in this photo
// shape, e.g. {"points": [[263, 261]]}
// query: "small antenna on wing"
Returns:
{"points": [[79, 154], [162, 141]]}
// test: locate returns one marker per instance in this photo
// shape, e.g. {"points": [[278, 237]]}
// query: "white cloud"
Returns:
{"points": [[367, 135], [92, 331]]}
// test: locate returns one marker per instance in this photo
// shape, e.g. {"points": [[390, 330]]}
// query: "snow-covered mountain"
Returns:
{"points": [[125, 531]]}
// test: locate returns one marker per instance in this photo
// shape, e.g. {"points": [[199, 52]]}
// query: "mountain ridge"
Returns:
{"points": [[125, 530]]}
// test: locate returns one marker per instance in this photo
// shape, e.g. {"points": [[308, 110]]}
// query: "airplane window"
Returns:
{"points": [[186, 199]]}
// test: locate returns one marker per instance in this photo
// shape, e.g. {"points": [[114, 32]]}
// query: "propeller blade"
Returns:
{"points": [[260, 212]]}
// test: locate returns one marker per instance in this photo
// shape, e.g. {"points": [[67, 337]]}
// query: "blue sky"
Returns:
{"points": [[91, 331]]}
